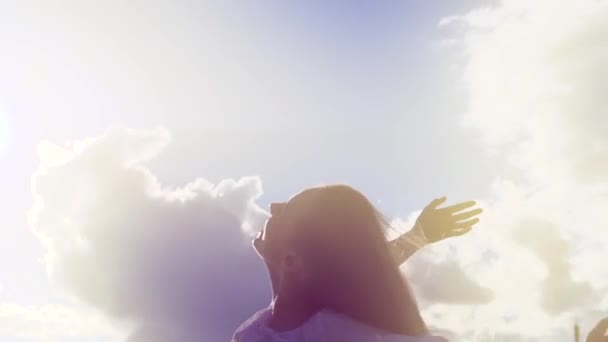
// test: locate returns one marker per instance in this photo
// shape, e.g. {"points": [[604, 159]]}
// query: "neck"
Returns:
{"points": [[290, 312]]}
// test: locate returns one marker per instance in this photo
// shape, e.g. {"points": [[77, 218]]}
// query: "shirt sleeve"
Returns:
{"points": [[251, 329]]}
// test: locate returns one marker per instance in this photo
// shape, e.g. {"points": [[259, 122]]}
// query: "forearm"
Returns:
{"points": [[404, 246]]}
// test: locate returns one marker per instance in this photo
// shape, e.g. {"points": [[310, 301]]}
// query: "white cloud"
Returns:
{"points": [[51, 322], [536, 77], [447, 282], [173, 260], [431, 268], [559, 293]]}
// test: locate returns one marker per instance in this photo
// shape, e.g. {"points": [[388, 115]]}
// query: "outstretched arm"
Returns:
{"points": [[435, 224]]}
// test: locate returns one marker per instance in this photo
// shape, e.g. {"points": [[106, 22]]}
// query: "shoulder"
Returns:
{"points": [[251, 326], [338, 327]]}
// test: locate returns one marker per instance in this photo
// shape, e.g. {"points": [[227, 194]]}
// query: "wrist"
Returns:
{"points": [[418, 234]]}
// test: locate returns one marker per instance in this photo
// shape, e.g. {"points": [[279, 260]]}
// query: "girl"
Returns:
{"points": [[333, 275]]}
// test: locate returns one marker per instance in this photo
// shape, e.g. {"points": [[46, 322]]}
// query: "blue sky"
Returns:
{"points": [[374, 94]]}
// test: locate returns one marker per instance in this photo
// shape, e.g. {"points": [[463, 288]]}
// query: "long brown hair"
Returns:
{"points": [[342, 235]]}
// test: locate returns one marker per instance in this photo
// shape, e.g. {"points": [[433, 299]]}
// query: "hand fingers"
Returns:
{"points": [[465, 224], [458, 207], [467, 214], [462, 228], [436, 202], [458, 232]]}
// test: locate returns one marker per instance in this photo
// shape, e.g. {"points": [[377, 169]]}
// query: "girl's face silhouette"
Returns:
{"points": [[275, 243], [270, 240]]}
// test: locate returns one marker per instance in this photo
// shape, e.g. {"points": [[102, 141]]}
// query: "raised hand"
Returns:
{"points": [[598, 334], [437, 223], [434, 224]]}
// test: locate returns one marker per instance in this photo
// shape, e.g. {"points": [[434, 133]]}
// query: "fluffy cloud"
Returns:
{"points": [[535, 72], [438, 276], [559, 293], [448, 282], [47, 323], [174, 262]]}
